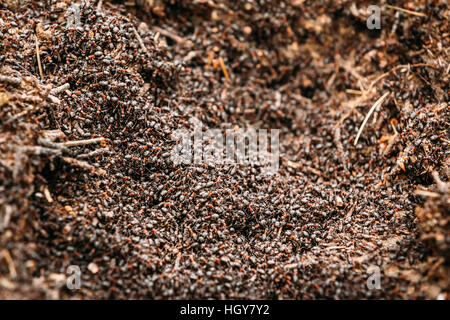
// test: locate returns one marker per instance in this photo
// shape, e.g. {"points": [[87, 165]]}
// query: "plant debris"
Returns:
{"points": [[87, 113]]}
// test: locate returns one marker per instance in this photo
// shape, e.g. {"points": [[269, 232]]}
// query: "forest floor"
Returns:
{"points": [[90, 97]]}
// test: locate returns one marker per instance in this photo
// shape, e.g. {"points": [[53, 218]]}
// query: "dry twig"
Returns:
{"points": [[141, 42], [171, 35], [38, 55], [81, 142], [10, 262], [84, 165], [224, 69], [375, 105], [414, 13]]}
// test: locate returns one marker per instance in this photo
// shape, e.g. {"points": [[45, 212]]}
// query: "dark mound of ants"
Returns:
{"points": [[91, 93]]}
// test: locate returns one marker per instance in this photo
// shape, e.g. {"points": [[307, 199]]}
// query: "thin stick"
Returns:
{"points": [[414, 13], [315, 171], [170, 35], [156, 39], [351, 91], [391, 141], [335, 247], [9, 260], [439, 183], [426, 193], [81, 142], [291, 265], [53, 99], [84, 165], [60, 88], [350, 212], [99, 5], [8, 211], [20, 114], [12, 80], [50, 144], [224, 69], [279, 232], [48, 195], [38, 150], [38, 58], [140, 40], [94, 153], [375, 105]]}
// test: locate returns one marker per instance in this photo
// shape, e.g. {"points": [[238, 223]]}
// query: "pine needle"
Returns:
{"points": [[414, 13], [224, 68], [77, 143], [375, 105], [38, 55]]}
